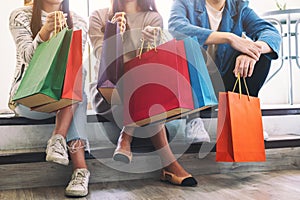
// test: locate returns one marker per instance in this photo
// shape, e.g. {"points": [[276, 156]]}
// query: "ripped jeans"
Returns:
{"points": [[77, 129]]}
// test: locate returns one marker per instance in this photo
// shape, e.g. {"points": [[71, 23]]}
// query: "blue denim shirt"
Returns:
{"points": [[190, 18]]}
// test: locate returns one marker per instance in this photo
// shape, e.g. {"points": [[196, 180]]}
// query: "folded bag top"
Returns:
{"points": [[157, 85]]}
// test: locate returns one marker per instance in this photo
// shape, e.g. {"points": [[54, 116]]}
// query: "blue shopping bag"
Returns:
{"points": [[202, 88]]}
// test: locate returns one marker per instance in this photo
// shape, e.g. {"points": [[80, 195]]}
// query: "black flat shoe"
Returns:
{"points": [[188, 180]]}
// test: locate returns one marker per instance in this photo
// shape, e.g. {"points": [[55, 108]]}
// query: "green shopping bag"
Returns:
{"points": [[43, 80]]}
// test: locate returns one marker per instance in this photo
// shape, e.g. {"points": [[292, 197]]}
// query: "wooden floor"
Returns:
{"points": [[274, 185]]}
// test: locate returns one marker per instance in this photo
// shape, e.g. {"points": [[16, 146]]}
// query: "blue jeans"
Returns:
{"points": [[77, 129], [255, 82], [78, 125]]}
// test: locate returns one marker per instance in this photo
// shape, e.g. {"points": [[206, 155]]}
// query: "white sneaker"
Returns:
{"points": [[78, 186], [57, 150], [266, 135], [195, 131]]}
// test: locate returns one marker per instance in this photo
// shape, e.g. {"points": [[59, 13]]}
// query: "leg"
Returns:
{"points": [[78, 186], [76, 150], [76, 134], [57, 148], [26, 112], [71, 127], [255, 82], [64, 118], [168, 159], [77, 143], [101, 107], [63, 121], [173, 171], [123, 150]]}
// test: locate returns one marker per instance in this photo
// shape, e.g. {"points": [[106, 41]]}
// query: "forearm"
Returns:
{"points": [[260, 30], [219, 38], [96, 34], [26, 46], [240, 44], [96, 43]]}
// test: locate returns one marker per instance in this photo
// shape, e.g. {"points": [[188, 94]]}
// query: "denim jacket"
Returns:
{"points": [[190, 18]]}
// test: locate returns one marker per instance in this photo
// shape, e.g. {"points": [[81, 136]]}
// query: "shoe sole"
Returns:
{"points": [[76, 193], [57, 160], [171, 183], [121, 158]]}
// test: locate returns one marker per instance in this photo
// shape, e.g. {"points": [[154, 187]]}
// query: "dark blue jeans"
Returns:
{"points": [[255, 82]]}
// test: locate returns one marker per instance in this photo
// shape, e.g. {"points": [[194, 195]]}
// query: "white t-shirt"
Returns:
{"points": [[215, 17]]}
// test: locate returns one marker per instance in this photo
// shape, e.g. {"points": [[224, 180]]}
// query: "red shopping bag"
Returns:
{"points": [[157, 85], [72, 87], [239, 130]]}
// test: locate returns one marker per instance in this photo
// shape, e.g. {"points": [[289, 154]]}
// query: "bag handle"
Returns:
{"points": [[122, 20], [238, 80], [60, 22], [163, 38]]}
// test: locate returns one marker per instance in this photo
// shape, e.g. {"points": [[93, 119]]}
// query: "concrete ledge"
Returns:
{"points": [[28, 175], [105, 134], [140, 146]]}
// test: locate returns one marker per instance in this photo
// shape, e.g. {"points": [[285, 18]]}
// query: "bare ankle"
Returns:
{"points": [[176, 168], [124, 140]]}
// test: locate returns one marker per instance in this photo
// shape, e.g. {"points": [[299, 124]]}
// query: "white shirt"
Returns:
{"points": [[215, 17]]}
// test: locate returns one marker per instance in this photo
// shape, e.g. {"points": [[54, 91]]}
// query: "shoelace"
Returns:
{"points": [[196, 124], [79, 178], [58, 146]]}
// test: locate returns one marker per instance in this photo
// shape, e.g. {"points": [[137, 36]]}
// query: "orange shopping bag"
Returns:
{"points": [[239, 131]]}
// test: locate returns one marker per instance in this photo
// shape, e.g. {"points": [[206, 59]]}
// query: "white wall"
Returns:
{"points": [[7, 55], [269, 93], [261, 6], [277, 91]]}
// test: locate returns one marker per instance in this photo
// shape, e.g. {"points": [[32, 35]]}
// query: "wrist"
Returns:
{"points": [[265, 48], [230, 38], [44, 34]]}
